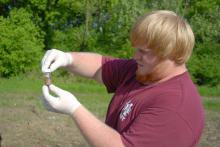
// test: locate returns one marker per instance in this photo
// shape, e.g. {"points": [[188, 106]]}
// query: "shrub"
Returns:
{"points": [[204, 64], [21, 43]]}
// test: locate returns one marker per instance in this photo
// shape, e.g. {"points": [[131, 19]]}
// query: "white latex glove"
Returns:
{"points": [[65, 102], [54, 59]]}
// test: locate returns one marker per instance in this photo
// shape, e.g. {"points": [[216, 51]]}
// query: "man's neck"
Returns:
{"points": [[172, 71], [166, 72]]}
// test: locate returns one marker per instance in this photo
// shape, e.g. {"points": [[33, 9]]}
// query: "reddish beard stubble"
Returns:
{"points": [[155, 75]]}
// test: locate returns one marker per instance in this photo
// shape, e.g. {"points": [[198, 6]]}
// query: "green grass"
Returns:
{"points": [[211, 97], [25, 90], [209, 91], [34, 84], [212, 104]]}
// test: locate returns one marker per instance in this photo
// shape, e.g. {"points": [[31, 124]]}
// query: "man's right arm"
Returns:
{"points": [[84, 64], [87, 65]]}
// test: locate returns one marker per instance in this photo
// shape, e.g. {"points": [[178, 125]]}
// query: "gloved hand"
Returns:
{"points": [[65, 102], [54, 59]]}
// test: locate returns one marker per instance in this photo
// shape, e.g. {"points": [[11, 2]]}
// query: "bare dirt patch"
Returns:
{"points": [[211, 133], [30, 126]]}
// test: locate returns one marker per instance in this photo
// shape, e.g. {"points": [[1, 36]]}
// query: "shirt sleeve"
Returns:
{"points": [[115, 71]]}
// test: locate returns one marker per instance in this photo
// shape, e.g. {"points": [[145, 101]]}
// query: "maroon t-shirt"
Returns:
{"points": [[168, 114]]}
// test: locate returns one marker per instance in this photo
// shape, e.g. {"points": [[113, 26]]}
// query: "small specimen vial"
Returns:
{"points": [[47, 80]]}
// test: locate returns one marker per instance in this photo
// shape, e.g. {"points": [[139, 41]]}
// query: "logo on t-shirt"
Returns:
{"points": [[126, 110]]}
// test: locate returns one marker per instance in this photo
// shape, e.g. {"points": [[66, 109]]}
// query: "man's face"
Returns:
{"points": [[149, 67], [146, 60]]}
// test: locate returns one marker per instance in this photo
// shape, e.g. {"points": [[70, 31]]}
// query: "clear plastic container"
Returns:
{"points": [[47, 78]]}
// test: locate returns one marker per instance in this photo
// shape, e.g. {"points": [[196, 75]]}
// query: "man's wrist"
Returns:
{"points": [[69, 58], [76, 106]]}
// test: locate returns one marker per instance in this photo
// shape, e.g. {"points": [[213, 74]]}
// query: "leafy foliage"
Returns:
{"points": [[204, 65], [30, 27], [20, 43]]}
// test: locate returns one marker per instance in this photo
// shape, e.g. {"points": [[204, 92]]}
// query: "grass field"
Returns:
{"points": [[25, 122]]}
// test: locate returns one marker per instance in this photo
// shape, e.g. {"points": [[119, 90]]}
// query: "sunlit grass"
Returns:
{"points": [[209, 91], [212, 104], [26, 90], [23, 91]]}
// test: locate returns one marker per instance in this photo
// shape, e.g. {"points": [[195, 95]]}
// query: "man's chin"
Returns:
{"points": [[152, 76], [147, 78]]}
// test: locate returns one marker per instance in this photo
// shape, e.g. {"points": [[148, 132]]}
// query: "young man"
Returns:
{"points": [[155, 102]]}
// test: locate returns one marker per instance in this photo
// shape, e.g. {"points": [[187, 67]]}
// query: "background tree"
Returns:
{"points": [[20, 42], [204, 18], [101, 26]]}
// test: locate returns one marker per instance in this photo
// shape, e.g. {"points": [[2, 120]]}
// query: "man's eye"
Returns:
{"points": [[143, 51], [139, 50]]}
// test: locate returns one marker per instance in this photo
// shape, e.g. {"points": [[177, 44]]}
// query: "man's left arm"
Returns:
{"points": [[95, 132]]}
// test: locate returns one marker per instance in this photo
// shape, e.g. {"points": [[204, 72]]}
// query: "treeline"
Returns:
{"points": [[30, 27]]}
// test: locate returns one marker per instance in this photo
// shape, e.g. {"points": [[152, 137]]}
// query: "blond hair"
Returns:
{"points": [[167, 34]]}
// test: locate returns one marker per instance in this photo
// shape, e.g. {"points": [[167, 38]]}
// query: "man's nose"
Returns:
{"points": [[137, 55]]}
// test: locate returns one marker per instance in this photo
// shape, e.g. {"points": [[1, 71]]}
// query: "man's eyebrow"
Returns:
{"points": [[144, 50]]}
